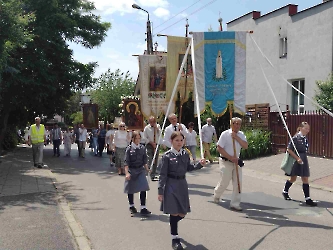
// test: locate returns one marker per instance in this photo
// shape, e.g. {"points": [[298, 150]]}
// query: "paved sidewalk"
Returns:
{"points": [[31, 214], [321, 170], [18, 176]]}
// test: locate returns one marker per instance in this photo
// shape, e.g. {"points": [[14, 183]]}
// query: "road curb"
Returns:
{"points": [[78, 233]]}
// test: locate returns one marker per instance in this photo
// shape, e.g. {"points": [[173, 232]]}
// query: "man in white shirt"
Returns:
{"points": [[208, 132], [229, 161], [174, 126], [152, 133], [83, 135]]}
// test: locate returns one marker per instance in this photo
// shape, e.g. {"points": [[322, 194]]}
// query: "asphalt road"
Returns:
{"points": [[95, 194]]}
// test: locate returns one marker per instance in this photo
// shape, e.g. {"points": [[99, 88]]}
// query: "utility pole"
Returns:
{"points": [[149, 38], [220, 21]]}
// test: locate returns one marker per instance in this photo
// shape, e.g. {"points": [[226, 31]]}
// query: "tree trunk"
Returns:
{"points": [[3, 127]]}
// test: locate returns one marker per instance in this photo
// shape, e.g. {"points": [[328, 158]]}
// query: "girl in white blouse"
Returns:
{"points": [[121, 140]]}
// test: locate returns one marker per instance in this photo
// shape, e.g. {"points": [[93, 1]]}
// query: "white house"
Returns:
{"points": [[300, 46]]}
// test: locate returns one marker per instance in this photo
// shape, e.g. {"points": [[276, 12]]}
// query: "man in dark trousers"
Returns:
{"points": [[56, 138], [101, 139]]}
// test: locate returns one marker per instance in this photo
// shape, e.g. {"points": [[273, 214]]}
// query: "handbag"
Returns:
{"points": [[287, 163]]}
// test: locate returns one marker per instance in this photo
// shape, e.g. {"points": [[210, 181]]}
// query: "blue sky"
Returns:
{"points": [[127, 35]]}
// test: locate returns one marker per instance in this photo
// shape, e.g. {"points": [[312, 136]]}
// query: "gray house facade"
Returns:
{"points": [[300, 46]]}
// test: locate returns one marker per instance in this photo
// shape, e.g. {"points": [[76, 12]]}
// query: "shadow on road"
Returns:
{"points": [[191, 185], [29, 202], [190, 246], [74, 165], [277, 214]]}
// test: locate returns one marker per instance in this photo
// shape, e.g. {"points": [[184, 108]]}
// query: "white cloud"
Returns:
{"points": [[162, 13], [184, 14], [142, 47], [154, 3], [112, 56], [109, 7], [161, 48], [125, 6]]}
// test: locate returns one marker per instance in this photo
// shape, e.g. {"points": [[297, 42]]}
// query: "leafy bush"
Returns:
{"points": [[10, 141], [259, 144], [213, 150]]}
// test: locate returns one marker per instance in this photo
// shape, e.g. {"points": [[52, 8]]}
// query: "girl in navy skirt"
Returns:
{"points": [[301, 165], [172, 187], [135, 170]]}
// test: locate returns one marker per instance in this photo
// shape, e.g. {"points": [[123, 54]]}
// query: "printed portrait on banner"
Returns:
{"points": [[132, 114], [90, 115], [157, 78]]}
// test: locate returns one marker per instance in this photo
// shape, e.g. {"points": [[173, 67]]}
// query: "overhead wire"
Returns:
{"points": [[177, 14], [275, 99], [204, 6], [285, 80]]}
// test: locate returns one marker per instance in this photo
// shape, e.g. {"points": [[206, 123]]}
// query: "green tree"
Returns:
{"points": [[13, 29], [46, 73], [72, 107], [77, 117], [324, 94], [108, 90]]}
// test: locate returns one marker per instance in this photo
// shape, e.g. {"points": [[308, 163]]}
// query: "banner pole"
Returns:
{"points": [[196, 98], [234, 146], [171, 99]]}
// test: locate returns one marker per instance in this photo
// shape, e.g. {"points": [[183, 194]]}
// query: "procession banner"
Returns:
{"points": [[152, 80], [176, 50], [132, 114], [220, 68], [90, 115]]}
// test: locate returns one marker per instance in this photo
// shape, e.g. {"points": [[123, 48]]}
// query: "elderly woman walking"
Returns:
{"points": [[68, 140], [121, 140]]}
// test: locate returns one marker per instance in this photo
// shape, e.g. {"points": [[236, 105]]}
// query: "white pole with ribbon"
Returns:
{"points": [[171, 99]]}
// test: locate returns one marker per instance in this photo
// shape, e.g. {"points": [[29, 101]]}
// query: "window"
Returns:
{"points": [[297, 99], [283, 47]]}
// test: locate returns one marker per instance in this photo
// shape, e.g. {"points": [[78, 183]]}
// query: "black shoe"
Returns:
{"points": [[39, 166], [145, 211], [35, 165], [133, 210], [311, 203], [176, 244], [286, 196]]}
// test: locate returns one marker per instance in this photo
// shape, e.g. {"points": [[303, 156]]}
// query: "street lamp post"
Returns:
{"points": [[149, 38]]}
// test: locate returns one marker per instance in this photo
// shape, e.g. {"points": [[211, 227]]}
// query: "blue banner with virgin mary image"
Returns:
{"points": [[220, 69]]}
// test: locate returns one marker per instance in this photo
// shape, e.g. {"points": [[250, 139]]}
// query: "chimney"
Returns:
{"points": [[292, 9], [255, 14]]}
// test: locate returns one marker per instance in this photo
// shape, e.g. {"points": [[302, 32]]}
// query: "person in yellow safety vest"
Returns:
{"points": [[37, 138]]}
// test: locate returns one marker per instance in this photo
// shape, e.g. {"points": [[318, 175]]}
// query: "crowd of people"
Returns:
{"points": [[136, 154]]}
